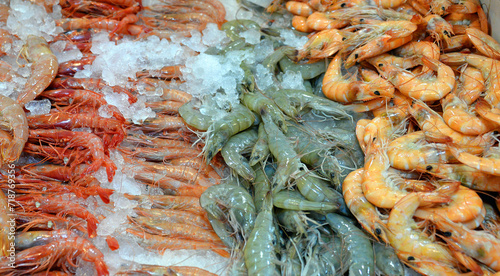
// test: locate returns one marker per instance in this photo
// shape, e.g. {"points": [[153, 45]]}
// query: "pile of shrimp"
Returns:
{"points": [[427, 71], [55, 224]]}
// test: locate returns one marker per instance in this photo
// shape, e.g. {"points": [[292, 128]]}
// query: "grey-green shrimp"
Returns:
{"points": [[293, 200], [261, 184], [234, 149], [227, 202], [315, 189], [272, 60], [258, 103], [306, 99], [233, 28], [191, 114], [283, 102], [361, 258], [307, 71], [387, 261], [238, 119], [260, 149], [292, 221]]}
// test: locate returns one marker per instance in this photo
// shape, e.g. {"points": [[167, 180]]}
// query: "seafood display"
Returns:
{"points": [[281, 138]]}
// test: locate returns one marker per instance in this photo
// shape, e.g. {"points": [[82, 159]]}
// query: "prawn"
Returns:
{"points": [[293, 200], [192, 116], [112, 25], [164, 107], [238, 119], [486, 111], [471, 85], [299, 23], [409, 151], [468, 176], [319, 21], [235, 148], [489, 163], [170, 185], [337, 87], [44, 68], [166, 270], [299, 8], [14, 126], [320, 45], [260, 150], [365, 212], [185, 203], [438, 28], [177, 216], [386, 260], [161, 123]]}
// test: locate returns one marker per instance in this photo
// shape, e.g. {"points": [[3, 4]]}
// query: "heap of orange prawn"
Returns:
{"points": [[424, 161]]}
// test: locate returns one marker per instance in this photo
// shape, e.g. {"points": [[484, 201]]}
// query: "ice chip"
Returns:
{"points": [[39, 107]]}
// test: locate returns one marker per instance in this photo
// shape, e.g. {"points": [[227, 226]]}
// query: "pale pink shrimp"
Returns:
{"points": [[15, 129], [463, 118], [43, 68], [413, 149]]}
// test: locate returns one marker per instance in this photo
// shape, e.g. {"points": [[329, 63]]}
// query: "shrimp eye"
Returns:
{"points": [[447, 234], [344, 38], [362, 20], [356, 55], [262, 37], [376, 93], [446, 33], [443, 8], [301, 168], [428, 167], [380, 64], [269, 23], [343, 5], [378, 231], [411, 258]]}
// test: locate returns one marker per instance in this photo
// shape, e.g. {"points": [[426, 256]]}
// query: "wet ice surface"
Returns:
{"points": [[38, 107]]}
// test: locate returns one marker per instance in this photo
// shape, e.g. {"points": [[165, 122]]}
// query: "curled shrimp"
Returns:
{"points": [[319, 21], [14, 126], [484, 43], [322, 44], [43, 68], [238, 119], [337, 87], [293, 200], [233, 151], [489, 163], [299, 8]]}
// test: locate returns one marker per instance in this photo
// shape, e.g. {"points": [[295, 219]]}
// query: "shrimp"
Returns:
{"points": [[319, 21], [171, 185], [177, 216], [380, 185], [468, 176], [387, 260], [489, 68], [413, 149], [299, 23], [172, 229], [366, 213], [299, 8], [425, 88], [421, 253], [61, 206], [162, 243], [165, 107], [257, 102], [260, 253], [384, 128], [313, 188], [369, 105], [337, 87], [459, 117], [293, 200], [198, 164], [465, 205], [320, 45], [192, 116], [71, 67], [489, 163], [161, 154], [418, 49], [471, 86], [60, 252], [161, 123], [306, 99], [112, 25], [431, 122], [229, 202], [44, 68], [438, 28], [14, 123], [484, 109], [25, 240], [238, 119], [260, 149], [166, 270], [374, 86], [234, 149], [80, 139], [185, 203], [361, 260], [4, 219], [480, 245]]}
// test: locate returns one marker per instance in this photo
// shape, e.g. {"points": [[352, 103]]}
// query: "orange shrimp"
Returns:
{"points": [[471, 85], [460, 22], [319, 21], [456, 43], [171, 185], [366, 213], [438, 28], [161, 154], [299, 8], [43, 68], [470, 177], [299, 23], [419, 49], [337, 87], [413, 149], [162, 243], [112, 25], [431, 122], [489, 163], [15, 130], [185, 203], [484, 109], [57, 253], [484, 43], [4, 230], [80, 139], [320, 45], [369, 105], [176, 230], [177, 216], [464, 6], [161, 123], [384, 128], [462, 118], [166, 72], [374, 86]]}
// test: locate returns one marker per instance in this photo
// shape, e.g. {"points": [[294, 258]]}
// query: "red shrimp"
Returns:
{"points": [[112, 25], [79, 139], [60, 252], [69, 68], [113, 129]]}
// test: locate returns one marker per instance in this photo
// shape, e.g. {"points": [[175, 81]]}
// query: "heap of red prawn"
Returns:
{"points": [[431, 81], [74, 140]]}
